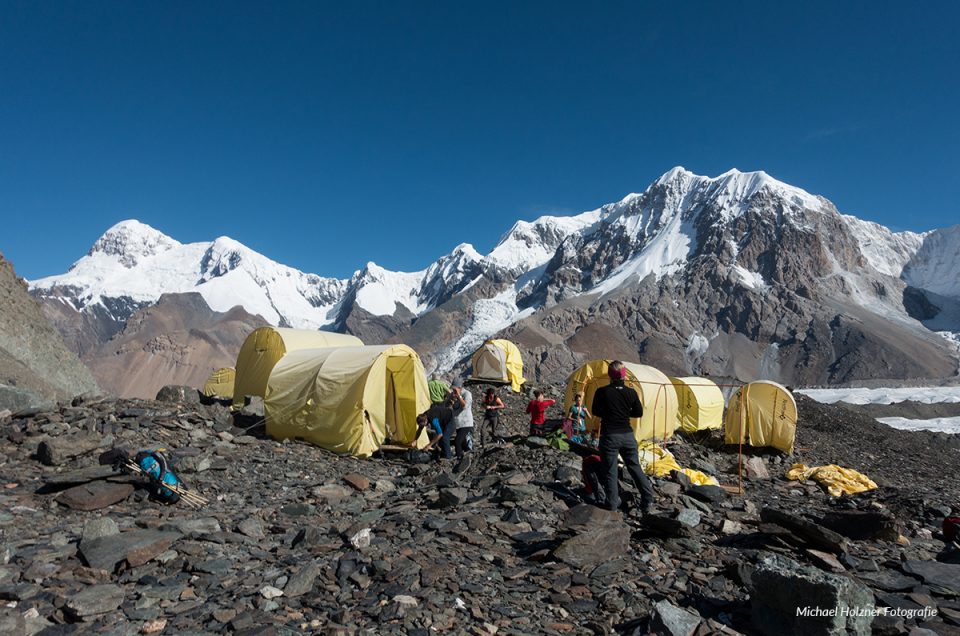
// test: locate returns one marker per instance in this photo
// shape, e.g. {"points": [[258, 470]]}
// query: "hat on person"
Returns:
{"points": [[458, 383]]}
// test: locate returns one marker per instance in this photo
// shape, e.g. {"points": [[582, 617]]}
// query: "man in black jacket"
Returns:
{"points": [[615, 404]]}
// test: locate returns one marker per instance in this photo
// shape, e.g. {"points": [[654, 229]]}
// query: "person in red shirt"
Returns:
{"points": [[537, 408]]}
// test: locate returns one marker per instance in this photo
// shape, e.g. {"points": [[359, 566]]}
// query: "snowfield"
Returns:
{"points": [[925, 395]]}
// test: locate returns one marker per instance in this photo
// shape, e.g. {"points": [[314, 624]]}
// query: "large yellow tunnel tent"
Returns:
{"points": [[220, 384], [498, 361], [700, 404], [769, 413], [264, 347], [656, 392], [348, 399]]}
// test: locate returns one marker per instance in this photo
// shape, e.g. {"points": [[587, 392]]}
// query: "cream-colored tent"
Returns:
{"points": [[498, 361], [656, 392], [220, 384], [263, 349], [700, 404], [348, 399], [769, 413]]}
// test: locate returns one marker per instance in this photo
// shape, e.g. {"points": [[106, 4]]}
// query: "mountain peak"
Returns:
{"points": [[130, 240]]}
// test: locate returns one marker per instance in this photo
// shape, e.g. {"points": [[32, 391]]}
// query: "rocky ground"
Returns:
{"points": [[296, 539]]}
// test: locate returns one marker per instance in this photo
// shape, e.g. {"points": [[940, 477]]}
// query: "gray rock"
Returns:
{"points": [[584, 517], [251, 527], [689, 517], [669, 619], [789, 598], [756, 468], [302, 580], [57, 450], [451, 497], [136, 547], [518, 492], [253, 407], [194, 527], [595, 546], [99, 527], [95, 495], [945, 576], [178, 394], [94, 600], [17, 399]]}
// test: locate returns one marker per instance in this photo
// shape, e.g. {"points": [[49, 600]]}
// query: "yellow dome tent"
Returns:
{"points": [[769, 413], [263, 349], [700, 404], [220, 384], [348, 399], [498, 361], [656, 392]]}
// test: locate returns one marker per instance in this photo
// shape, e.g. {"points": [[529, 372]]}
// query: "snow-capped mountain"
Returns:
{"points": [[692, 262]]}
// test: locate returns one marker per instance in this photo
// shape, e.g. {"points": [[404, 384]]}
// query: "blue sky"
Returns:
{"points": [[328, 134]]}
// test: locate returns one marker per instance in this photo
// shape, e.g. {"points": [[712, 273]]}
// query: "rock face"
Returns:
{"points": [[180, 340], [35, 365]]}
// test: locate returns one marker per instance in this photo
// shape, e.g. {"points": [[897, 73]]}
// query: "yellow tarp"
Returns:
{"points": [[769, 413], [263, 349], [348, 399], [499, 360], [659, 462], [836, 479], [700, 404], [220, 384], [655, 390], [699, 478]]}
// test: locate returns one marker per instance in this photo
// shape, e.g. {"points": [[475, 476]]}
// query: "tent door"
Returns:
{"points": [[401, 408]]}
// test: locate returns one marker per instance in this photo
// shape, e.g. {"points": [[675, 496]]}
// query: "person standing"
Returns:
{"points": [[537, 408], [463, 417], [578, 416], [439, 391], [615, 404], [492, 405]]}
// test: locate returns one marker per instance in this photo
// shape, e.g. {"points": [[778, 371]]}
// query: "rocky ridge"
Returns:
{"points": [[296, 539], [35, 365], [738, 276]]}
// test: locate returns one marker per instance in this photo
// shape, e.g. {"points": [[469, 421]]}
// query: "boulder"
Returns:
{"points": [[669, 619], [57, 450], [788, 598], [94, 600], [595, 546], [451, 497], [178, 394], [756, 468], [136, 547], [95, 495]]}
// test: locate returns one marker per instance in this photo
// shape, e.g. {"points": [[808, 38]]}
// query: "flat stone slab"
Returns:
{"points": [[888, 580], [595, 546], [945, 576], [81, 476], [135, 547], [94, 495], [95, 600]]}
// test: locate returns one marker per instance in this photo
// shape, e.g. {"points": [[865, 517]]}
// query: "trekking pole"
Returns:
{"points": [[190, 497]]}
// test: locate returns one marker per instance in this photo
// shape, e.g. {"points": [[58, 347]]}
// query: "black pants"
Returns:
{"points": [[461, 441], [623, 445], [490, 420]]}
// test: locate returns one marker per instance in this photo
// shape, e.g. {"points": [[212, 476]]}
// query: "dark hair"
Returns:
{"points": [[491, 392], [538, 393]]}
